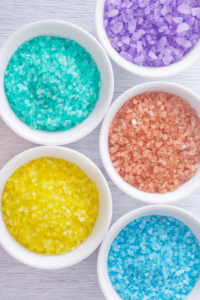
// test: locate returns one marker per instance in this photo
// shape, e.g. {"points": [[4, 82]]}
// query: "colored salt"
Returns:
{"points": [[50, 206], [154, 258], [154, 142], [52, 83], [152, 33]]}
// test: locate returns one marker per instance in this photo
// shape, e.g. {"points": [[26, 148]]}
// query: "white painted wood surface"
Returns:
{"points": [[18, 281]]}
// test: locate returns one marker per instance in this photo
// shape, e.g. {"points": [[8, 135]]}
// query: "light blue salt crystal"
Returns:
{"points": [[179, 272]]}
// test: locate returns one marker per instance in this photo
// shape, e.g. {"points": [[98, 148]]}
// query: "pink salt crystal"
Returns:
{"points": [[182, 27], [156, 169]]}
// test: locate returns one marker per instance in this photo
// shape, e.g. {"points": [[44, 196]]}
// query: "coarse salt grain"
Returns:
{"points": [[154, 142]]}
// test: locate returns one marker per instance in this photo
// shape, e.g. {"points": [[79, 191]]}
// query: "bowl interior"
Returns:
{"points": [[65, 30], [188, 219], [103, 220], [183, 191], [189, 60]]}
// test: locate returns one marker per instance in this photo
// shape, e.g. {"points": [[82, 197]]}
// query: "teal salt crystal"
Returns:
{"points": [[154, 258], [52, 83]]}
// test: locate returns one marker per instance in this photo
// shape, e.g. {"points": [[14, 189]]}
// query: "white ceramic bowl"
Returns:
{"points": [[65, 30], [103, 220], [188, 219], [189, 60], [183, 191]]}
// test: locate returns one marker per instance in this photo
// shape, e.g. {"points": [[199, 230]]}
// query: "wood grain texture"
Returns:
{"points": [[18, 281]]}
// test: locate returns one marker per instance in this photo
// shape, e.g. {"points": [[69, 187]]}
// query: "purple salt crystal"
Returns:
{"points": [[105, 23], [140, 21], [143, 3], [117, 27], [139, 46], [165, 10], [147, 10], [162, 43], [163, 27], [126, 56], [177, 20], [187, 44], [141, 31], [113, 13], [159, 22], [125, 40], [139, 59], [132, 51], [169, 18], [157, 14], [167, 60], [196, 12], [182, 27], [115, 2], [132, 26], [184, 43], [125, 17], [125, 3], [152, 55], [180, 41], [136, 36], [184, 9]]}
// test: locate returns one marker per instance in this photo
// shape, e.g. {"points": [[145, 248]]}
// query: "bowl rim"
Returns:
{"points": [[150, 198], [62, 137], [152, 72], [115, 229], [46, 259]]}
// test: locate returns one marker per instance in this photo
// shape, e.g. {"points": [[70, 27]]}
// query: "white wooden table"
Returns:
{"points": [[18, 281]]}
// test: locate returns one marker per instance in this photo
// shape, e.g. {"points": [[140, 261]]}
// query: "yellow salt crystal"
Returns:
{"points": [[56, 215]]}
